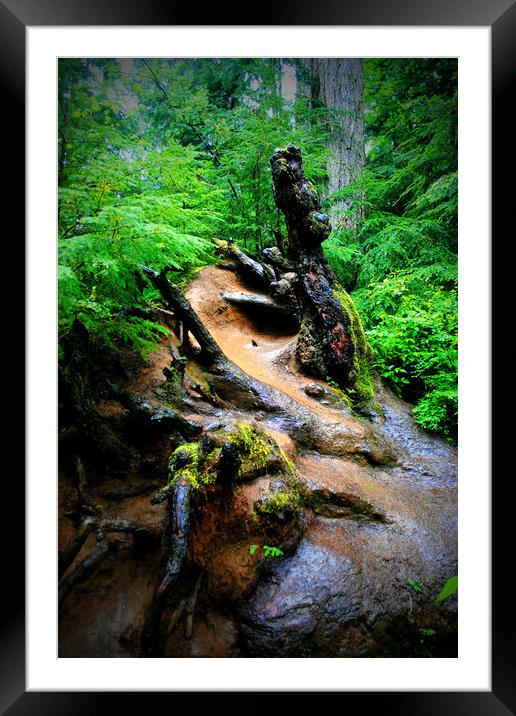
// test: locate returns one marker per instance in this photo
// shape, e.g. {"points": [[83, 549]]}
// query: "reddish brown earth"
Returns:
{"points": [[234, 331], [341, 589]]}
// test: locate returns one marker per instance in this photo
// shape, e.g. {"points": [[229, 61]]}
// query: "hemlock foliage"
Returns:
{"points": [[158, 157]]}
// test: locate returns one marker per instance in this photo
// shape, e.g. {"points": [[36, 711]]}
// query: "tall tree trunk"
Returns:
{"points": [[339, 87]]}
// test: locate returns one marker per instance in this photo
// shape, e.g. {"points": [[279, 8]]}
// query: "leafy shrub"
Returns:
{"points": [[411, 323]]}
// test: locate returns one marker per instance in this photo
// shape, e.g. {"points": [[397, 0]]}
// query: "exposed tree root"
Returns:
{"points": [[179, 498], [67, 556], [85, 569]]}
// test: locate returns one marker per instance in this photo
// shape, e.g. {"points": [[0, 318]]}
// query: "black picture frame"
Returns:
{"points": [[500, 15]]}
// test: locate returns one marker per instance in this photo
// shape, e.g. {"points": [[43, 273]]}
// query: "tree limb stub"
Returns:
{"points": [[253, 272]]}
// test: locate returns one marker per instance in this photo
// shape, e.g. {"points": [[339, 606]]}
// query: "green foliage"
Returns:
{"points": [[415, 585], [450, 588], [400, 260], [345, 255], [427, 632], [155, 158], [271, 551], [245, 138], [123, 201], [411, 318], [268, 552]]}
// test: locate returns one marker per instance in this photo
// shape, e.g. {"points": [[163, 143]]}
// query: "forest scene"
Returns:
{"points": [[257, 359]]}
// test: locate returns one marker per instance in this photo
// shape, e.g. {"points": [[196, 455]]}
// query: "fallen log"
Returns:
{"points": [[227, 381], [262, 305], [209, 350]]}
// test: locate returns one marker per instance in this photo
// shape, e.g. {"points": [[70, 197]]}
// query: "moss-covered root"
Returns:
{"points": [[242, 454]]}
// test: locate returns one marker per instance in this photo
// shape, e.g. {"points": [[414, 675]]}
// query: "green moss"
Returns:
{"points": [[362, 390], [279, 502], [258, 452], [256, 449], [213, 456], [289, 465], [378, 409], [199, 470], [339, 393], [171, 388], [290, 495]]}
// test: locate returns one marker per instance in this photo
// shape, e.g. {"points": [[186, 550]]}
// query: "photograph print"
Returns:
{"points": [[257, 358]]}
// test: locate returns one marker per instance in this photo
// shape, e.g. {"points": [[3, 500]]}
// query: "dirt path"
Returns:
{"points": [[377, 527], [272, 362], [269, 361]]}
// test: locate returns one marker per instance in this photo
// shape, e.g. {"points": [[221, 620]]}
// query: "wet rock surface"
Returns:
{"points": [[373, 531], [342, 589]]}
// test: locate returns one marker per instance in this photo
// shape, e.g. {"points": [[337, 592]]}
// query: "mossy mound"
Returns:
{"points": [[288, 499]]}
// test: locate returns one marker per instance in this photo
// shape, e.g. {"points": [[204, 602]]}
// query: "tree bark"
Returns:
{"points": [[339, 87], [325, 345], [253, 272]]}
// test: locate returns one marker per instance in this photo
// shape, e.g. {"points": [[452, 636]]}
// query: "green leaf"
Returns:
{"points": [[272, 551], [449, 588], [253, 548]]}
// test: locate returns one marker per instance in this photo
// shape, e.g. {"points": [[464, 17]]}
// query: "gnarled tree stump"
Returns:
{"points": [[325, 345]]}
